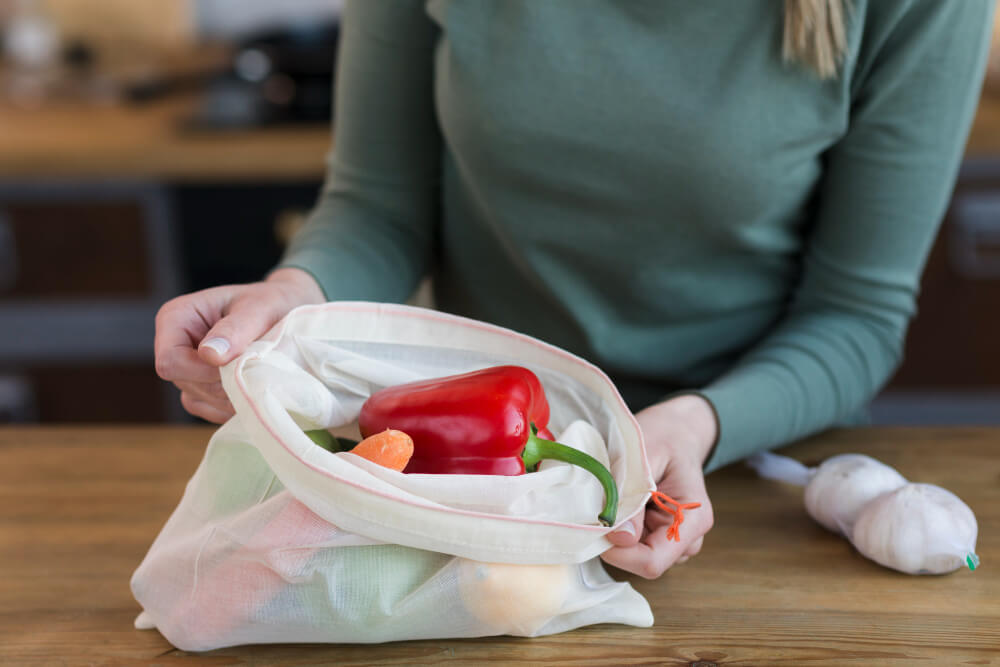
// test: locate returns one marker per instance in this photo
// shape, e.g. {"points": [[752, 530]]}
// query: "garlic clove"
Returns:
{"points": [[842, 485], [917, 529]]}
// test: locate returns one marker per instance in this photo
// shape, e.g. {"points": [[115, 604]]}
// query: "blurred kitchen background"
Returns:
{"points": [[151, 148]]}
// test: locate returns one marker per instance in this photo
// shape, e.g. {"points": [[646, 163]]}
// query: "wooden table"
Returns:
{"points": [[80, 506]]}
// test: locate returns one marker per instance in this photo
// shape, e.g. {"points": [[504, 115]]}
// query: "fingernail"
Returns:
{"points": [[219, 345], [627, 528]]}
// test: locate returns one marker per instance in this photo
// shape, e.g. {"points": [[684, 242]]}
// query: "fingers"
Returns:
{"points": [[180, 324], [676, 440], [694, 549], [196, 333], [655, 552], [628, 533], [248, 318], [209, 392], [649, 558], [205, 410], [182, 364]]}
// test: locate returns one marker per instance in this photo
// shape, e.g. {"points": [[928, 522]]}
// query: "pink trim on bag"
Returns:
{"points": [[461, 321]]}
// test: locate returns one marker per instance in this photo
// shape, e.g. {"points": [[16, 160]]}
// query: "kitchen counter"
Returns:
{"points": [[81, 142], [79, 507]]}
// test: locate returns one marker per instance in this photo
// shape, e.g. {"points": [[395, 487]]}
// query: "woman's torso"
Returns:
{"points": [[627, 179]]}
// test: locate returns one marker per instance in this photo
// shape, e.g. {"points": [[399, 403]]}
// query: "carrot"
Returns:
{"points": [[388, 448]]}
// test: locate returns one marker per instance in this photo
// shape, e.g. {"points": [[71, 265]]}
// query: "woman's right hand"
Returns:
{"points": [[199, 332]]}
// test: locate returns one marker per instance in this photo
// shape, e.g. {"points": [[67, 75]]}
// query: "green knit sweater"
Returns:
{"points": [[647, 184]]}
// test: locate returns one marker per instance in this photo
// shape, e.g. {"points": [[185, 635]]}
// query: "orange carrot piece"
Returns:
{"points": [[389, 448], [660, 498]]}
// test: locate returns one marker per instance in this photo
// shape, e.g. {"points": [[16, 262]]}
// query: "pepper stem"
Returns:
{"points": [[323, 438], [329, 442], [538, 449]]}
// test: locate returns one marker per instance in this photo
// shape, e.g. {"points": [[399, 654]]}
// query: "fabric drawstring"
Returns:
{"points": [[661, 499]]}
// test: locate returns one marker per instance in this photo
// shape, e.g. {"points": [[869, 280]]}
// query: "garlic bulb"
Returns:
{"points": [[913, 528], [843, 485], [917, 529]]}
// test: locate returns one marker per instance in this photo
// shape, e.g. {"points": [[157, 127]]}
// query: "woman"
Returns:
{"points": [[725, 205]]}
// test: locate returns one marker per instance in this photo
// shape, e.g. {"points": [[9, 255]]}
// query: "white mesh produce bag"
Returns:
{"points": [[279, 540]]}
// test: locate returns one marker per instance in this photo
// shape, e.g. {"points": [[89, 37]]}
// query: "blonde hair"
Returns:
{"points": [[816, 34]]}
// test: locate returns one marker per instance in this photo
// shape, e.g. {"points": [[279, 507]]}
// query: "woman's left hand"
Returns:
{"points": [[679, 434]]}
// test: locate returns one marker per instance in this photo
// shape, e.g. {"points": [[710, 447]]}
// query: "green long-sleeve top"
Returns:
{"points": [[649, 185]]}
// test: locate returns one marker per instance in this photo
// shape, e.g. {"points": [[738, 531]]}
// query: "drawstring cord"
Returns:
{"points": [[661, 499]]}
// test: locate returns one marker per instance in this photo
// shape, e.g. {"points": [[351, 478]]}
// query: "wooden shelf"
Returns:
{"points": [[984, 139], [84, 142], [81, 142]]}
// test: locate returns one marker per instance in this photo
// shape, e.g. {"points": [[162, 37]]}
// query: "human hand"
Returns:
{"points": [[199, 332], [679, 434]]}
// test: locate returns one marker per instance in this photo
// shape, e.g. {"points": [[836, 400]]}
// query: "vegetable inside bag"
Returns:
{"points": [[279, 540]]}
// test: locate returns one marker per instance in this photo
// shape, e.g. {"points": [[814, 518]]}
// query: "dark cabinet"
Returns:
{"points": [[954, 340], [85, 267]]}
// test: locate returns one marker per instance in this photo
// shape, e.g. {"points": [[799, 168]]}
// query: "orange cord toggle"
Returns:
{"points": [[677, 512]]}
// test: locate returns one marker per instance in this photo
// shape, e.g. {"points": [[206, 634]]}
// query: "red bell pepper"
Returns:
{"points": [[486, 422]]}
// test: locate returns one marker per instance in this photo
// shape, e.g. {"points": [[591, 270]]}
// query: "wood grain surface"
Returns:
{"points": [[984, 136], [81, 142], [79, 507], [78, 141]]}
